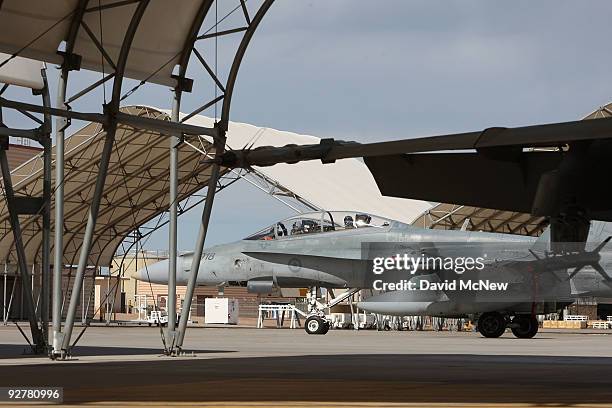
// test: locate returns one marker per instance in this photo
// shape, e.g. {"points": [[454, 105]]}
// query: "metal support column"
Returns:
{"points": [[10, 303], [199, 248], [45, 289], [4, 294], [172, 246], [37, 336], [71, 62], [58, 260]]}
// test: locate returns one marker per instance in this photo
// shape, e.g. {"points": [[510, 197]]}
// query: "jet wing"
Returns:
{"points": [[493, 140], [500, 173], [465, 178]]}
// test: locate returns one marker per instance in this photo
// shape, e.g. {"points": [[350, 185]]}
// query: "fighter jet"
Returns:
{"points": [[503, 280]]}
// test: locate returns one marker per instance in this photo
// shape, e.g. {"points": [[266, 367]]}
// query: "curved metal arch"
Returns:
{"points": [[66, 242], [25, 224], [103, 248], [111, 110], [242, 48], [188, 51], [39, 333], [119, 242], [109, 227], [99, 234], [76, 192], [219, 146], [10, 253], [78, 228], [46, 101], [191, 38]]}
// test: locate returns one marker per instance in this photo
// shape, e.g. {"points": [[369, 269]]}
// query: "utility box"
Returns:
{"points": [[220, 311]]}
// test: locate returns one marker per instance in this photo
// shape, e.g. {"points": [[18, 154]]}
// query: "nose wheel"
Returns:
{"points": [[316, 325]]}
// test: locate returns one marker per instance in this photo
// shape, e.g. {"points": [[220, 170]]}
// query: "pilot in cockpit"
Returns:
{"points": [[348, 222], [269, 236], [362, 220]]}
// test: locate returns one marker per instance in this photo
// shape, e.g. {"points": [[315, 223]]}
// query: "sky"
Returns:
{"points": [[371, 71]]}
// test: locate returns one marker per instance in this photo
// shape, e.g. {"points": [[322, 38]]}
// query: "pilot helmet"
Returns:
{"points": [[348, 222], [362, 219]]}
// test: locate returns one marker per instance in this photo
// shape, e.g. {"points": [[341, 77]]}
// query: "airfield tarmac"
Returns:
{"points": [[268, 367]]}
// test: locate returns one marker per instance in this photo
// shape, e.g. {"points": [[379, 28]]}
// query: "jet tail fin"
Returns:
{"points": [[542, 244]]}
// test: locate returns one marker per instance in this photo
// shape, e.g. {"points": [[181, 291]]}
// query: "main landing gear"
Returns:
{"points": [[493, 325], [524, 326]]}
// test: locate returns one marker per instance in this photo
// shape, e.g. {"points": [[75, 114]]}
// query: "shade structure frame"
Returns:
{"points": [[78, 30]]}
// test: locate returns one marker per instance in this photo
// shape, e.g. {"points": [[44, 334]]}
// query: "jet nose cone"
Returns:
{"points": [[155, 273]]}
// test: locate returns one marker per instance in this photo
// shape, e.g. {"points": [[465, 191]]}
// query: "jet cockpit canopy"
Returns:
{"points": [[320, 222]]}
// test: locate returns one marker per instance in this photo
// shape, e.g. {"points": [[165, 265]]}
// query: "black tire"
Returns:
{"points": [[326, 327], [491, 325], [315, 325], [524, 326]]}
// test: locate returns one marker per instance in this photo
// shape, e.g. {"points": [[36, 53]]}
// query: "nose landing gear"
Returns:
{"points": [[316, 325], [316, 322]]}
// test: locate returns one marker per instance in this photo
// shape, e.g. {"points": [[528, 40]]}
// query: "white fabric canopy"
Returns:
{"points": [[344, 185], [21, 72], [159, 40]]}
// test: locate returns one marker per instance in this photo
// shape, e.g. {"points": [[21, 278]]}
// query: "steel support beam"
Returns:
{"points": [[110, 126], [172, 234], [199, 248], [38, 340], [10, 303], [4, 294], [58, 248], [45, 289], [188, 47], [175, 140], [61, 123], [155, 125]]}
